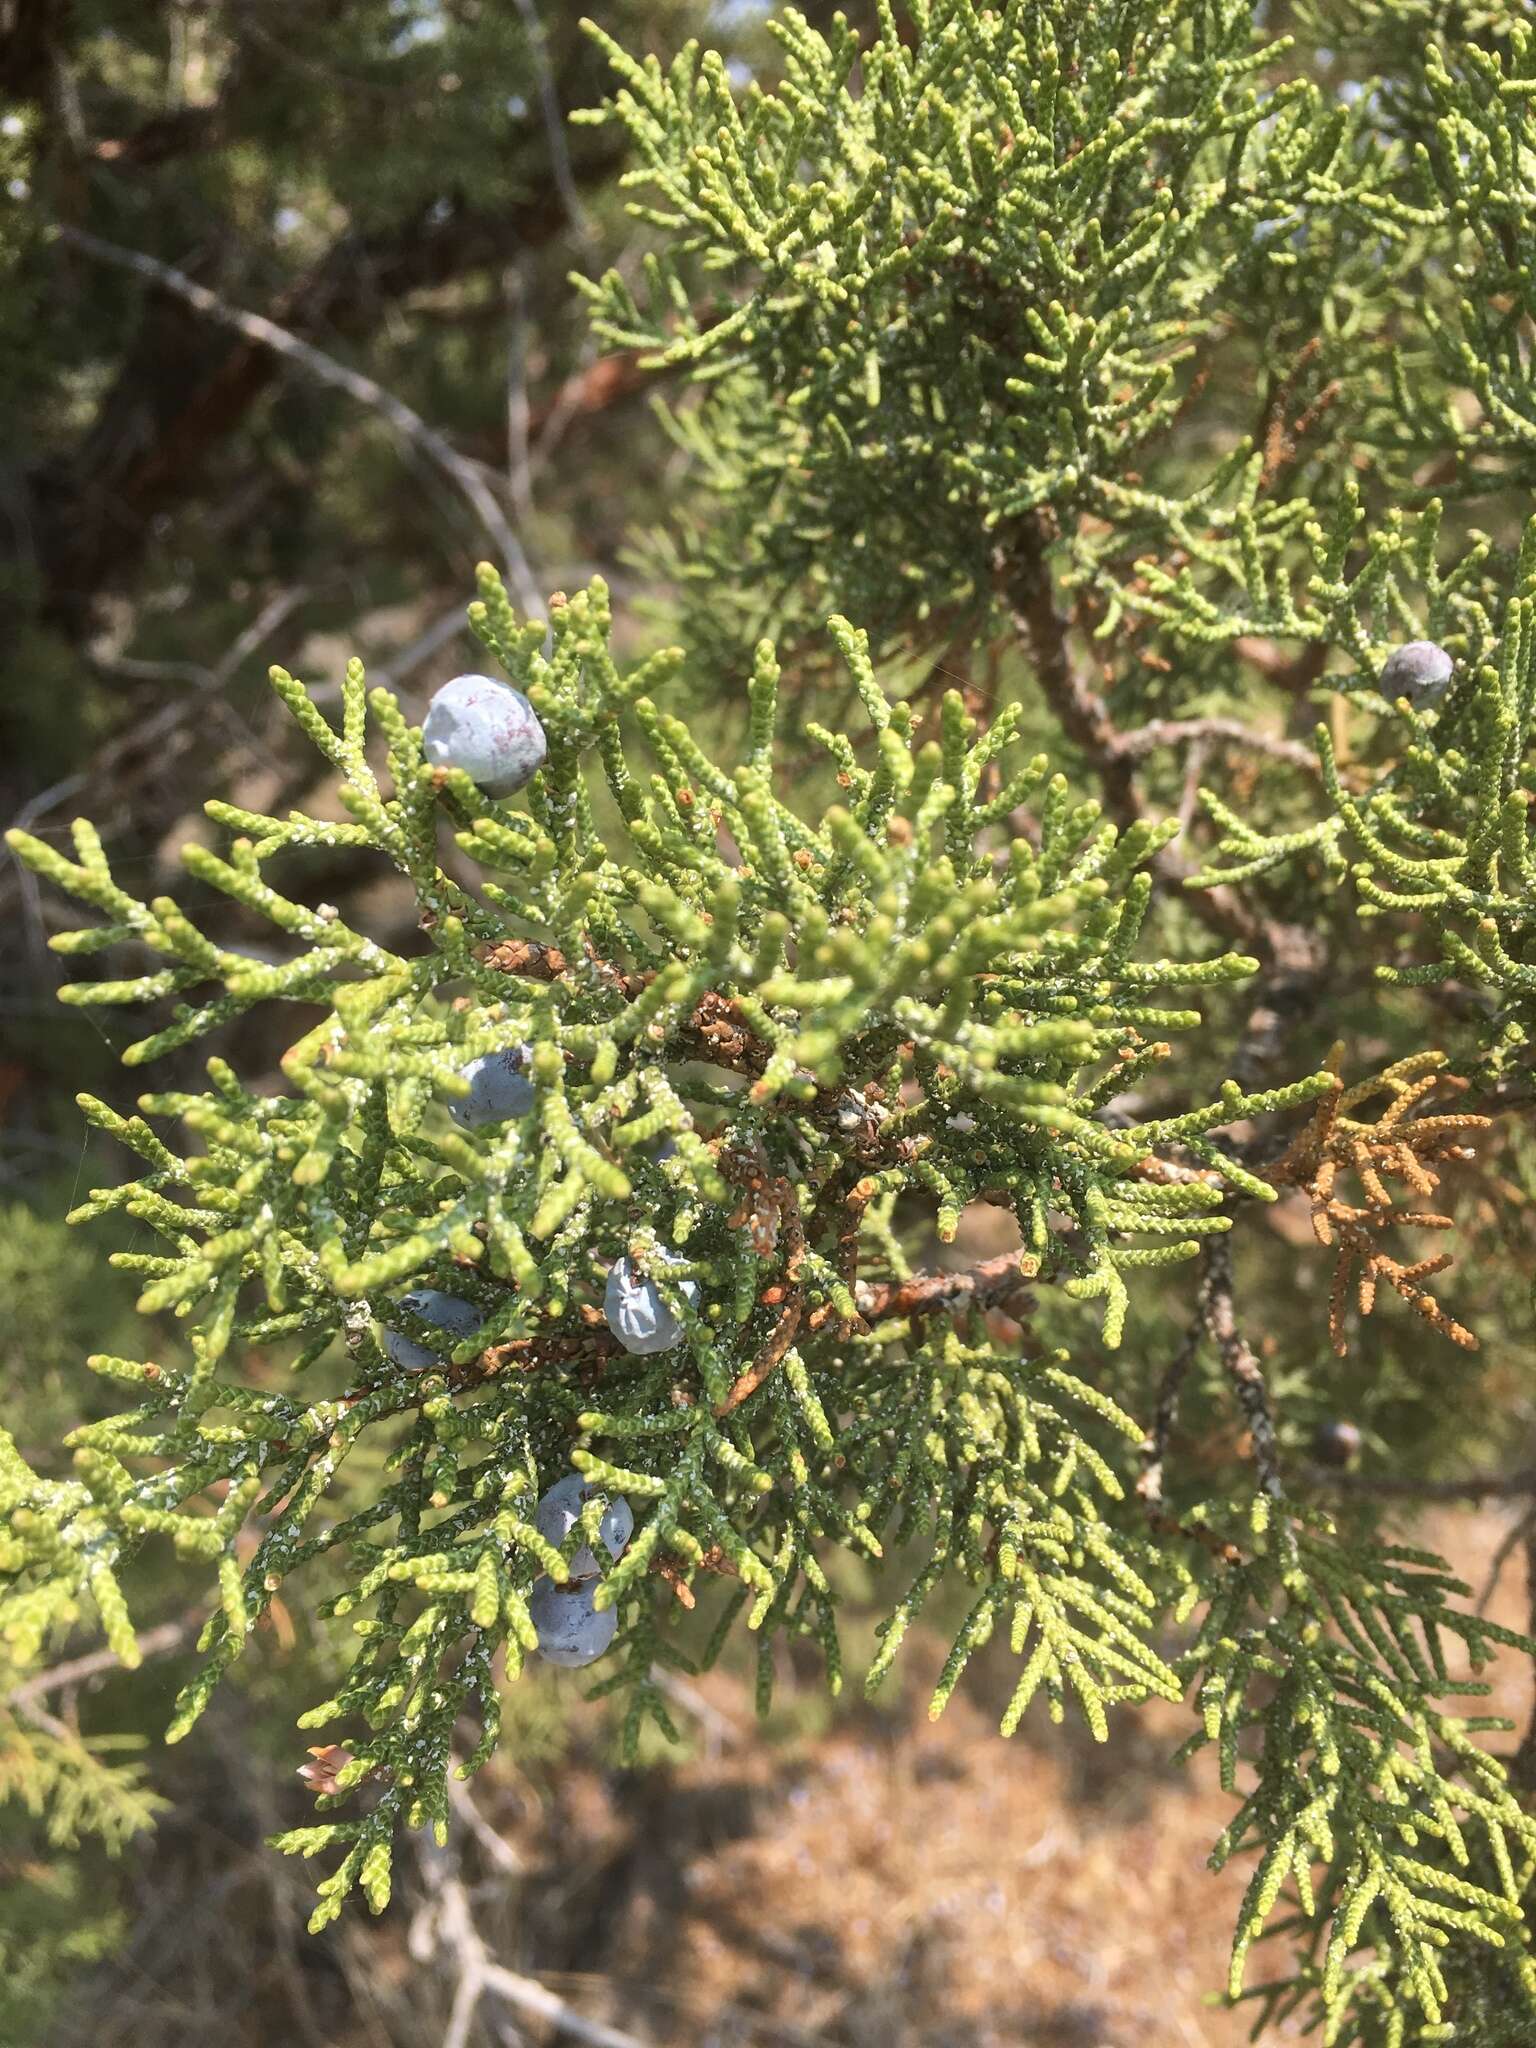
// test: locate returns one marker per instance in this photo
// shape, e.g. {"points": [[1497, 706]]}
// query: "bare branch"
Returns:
{"points": [[464, 475], [445, 1929], [554, 126], [154, 1642], [1178, 732], [1242, 1368], [1024, 575], [519, 466]]}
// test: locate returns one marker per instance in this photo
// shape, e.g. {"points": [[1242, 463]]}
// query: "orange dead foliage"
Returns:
{"points": [[1400, 1145]]}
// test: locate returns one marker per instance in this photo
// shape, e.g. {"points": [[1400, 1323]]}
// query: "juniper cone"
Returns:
{"points": [[446, 1312], [499, 1088], [559, 1510], [636, 1312], [1337, 1443], [489, 731], [1421, 671], [570, 1630]]}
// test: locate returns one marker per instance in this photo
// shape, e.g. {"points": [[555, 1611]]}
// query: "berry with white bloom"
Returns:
{"points": [[1420, 671], [636, 1313], [571, 1630], [486, 728], [445, 1312], [499, 1088], [560, 1509], [1337, 1443]]}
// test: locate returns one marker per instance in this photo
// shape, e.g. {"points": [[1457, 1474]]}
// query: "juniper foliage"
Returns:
{"points": [[942, 303]]}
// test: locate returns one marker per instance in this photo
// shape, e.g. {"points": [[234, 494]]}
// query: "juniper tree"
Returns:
{"points": [[627, 1175]]}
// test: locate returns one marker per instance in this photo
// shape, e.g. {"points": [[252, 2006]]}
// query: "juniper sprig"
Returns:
{"points": [[820, 1018], [594, 1227], [747, 1036]]}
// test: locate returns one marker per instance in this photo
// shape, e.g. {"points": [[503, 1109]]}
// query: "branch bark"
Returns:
{"points": [[995, 1283]]}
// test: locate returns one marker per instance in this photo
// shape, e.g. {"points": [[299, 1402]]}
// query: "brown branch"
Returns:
{"points": [[529, 1354], [1242, 1368], [1023, 571], [787, 1290], [1154, 1448], [783, 1335], [1297, 957], [995, 1283], [1472, 1486], [1084, 717]]}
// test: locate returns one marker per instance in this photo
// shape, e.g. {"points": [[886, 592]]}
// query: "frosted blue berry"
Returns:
{"points": [[557, 1514], [486, 728], [1295, 231], [445, 1312], [636, 1313], [1337, 1443], [1421, 671], [571, 1630], [499, 1088]]}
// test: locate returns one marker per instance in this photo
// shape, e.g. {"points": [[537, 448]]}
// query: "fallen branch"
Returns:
{"points": [[446, 1928]]}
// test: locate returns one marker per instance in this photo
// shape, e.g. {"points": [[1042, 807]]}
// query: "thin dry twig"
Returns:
{"points": [[1179, 732], [464, 475], [554, 127], [153, 1642], [445, 1931], [776, 1194]]}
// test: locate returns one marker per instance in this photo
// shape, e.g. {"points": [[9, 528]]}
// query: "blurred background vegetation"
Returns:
{"points": [[393, 185]]}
